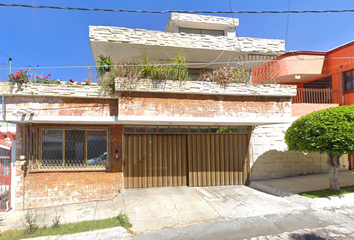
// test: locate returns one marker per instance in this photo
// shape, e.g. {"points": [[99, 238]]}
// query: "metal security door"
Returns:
{"points": [[5, 184], [134, 156]]}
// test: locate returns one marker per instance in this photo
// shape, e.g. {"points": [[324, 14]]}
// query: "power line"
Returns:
{"points": [[175, 11], [190, 64], [6, 55]]}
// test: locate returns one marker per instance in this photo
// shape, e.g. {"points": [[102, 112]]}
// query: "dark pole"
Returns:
{"points": [[343, 84]]}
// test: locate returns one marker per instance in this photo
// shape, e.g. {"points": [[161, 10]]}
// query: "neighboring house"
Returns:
{"points": [[323, 79], [7, 160], [76, 144]]}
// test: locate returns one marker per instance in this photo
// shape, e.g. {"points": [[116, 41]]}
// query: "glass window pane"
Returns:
{"points": [[163, 129], [212, 32], [233, 129], [140, 129], [193, 129], [214, 129], [183, 129], [224, 129], [97, 148], [152, 129], [75, 148], [348, 81], [128, 129], [52, 148], [204, 130], [189, 30], [243, 129], [173, 129]]}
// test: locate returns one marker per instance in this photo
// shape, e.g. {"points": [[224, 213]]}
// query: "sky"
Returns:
{"points": [[60, 38]]}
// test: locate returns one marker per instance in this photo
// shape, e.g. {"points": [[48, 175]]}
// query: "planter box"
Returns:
{"points": [[199, 87]]}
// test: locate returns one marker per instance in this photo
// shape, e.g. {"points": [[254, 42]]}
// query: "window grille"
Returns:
{"points": [[129, 129], [73, 148]]}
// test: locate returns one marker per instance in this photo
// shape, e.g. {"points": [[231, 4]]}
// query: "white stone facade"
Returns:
{"points": [[71, 90], [121, 35], [226, 24], [270, 158], [209, 88]]}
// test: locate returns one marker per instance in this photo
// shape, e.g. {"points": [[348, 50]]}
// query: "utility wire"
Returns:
{"points": [[190, 64], [170, 11], [6, 55]]}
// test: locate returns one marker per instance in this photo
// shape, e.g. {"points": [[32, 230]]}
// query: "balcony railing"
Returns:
{"points": [[316, 95]]}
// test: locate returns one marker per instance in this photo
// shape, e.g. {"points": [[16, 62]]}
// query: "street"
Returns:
{"points": [[318, 224]]}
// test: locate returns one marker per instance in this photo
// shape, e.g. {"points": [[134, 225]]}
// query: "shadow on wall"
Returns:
{"points": [[279, 164]]}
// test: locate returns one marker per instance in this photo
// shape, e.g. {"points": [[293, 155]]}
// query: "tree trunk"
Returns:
{"points": [[333, 165]]}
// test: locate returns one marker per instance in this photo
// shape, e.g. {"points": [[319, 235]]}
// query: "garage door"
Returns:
{"points": [[191, 159], [155, 160], [217, 160]]}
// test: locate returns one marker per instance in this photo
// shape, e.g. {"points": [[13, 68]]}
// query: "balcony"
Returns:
{"points": [[308, 100], [316, 95]]}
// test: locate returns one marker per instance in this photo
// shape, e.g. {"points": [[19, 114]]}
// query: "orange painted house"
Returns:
{"points": [[323, 79]]}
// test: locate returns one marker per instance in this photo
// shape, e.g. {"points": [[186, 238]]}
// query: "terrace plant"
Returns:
{"points": [[105, 65], [20, 77], [46, 80], [179, 69], [224, 76]]}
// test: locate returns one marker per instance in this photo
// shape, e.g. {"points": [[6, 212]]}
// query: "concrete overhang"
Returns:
{"points": [[146, 120], [130, 45], [197, 58], [200, 22]]}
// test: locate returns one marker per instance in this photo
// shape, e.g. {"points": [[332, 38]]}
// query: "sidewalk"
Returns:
{"points": [[289, 186], [152, 209]]}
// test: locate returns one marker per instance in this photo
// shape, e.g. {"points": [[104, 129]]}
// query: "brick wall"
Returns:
{"points": [[61, 106], [208, 106], [42, 189], [270, 158]]}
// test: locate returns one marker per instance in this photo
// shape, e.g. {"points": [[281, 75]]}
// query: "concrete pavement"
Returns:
{"points": [[292, 185], [169, 207], [159, 208]]}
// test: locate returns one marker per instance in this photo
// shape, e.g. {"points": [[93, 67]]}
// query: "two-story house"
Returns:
{"points": [[76, 143]]}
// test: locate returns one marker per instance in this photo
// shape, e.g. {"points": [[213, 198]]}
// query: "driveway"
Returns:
{"points": [[165, 207], [160, 208]]}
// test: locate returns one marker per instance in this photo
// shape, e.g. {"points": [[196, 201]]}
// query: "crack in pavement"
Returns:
{"points": [[124, 209], [175, 208]]}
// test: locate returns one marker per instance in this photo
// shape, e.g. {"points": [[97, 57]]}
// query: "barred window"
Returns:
{"points": [[73, 148], [349, 80]]}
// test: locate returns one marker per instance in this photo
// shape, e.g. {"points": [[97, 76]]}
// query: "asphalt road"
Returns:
{"points": [[320, 224]]}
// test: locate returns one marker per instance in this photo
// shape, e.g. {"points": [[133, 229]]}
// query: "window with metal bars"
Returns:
{"points": [[73, 148], [349, 80]]}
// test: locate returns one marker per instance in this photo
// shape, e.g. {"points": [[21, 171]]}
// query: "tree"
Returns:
{"points": [[329, 131]]}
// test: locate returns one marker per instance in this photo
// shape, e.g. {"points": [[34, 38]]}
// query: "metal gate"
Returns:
{"points": [[155, 160], [218, 160], [5, 184]]}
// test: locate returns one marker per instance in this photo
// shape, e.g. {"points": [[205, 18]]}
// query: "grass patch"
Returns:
{"points": [[70, 228], [326, 193]]}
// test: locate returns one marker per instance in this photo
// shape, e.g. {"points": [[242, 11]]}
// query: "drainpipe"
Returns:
{"points": [[343, 84]]}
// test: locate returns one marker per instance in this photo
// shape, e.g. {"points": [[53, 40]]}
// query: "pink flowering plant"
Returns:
{"points": [[46, 79], [19, 77]]}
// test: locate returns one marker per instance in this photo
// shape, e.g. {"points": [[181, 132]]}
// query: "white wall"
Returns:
{"points": [[270, 158]]}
